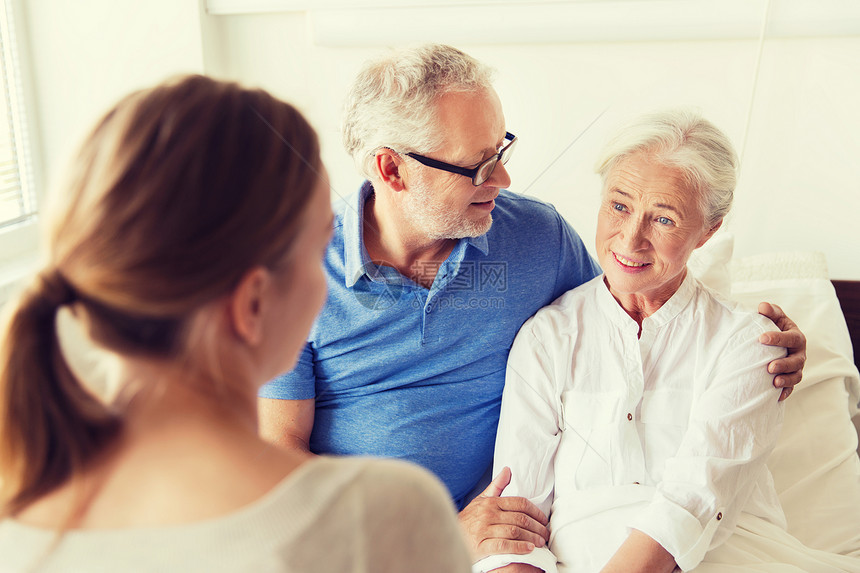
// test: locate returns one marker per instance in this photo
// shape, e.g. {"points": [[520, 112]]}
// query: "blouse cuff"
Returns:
{"points": [[540, 557], [678, 531]]}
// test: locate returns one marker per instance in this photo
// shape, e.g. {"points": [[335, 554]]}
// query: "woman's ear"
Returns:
{"points": [[247, 305], [714, 228], [387, 166]]}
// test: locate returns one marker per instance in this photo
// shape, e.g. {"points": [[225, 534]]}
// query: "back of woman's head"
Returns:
{"points": [[174, 196]]}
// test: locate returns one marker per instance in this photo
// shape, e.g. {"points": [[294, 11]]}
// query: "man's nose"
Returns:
{"points": [[499, 177]]}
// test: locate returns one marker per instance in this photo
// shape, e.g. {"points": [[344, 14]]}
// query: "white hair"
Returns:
{"points": [[392, 101], [683, 139]]}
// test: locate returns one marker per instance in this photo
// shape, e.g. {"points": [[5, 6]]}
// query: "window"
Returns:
{"points": [[17, 196]]}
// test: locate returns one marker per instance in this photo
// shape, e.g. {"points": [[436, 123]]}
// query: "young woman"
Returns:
{"points": [[188, 242]]}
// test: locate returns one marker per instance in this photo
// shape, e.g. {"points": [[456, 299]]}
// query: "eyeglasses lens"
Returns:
{"points": [[485, 171], [506, 154]]}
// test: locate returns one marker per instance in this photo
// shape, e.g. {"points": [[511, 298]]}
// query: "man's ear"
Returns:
{"points": [[387, 166], [246, 305], [714, 228]]}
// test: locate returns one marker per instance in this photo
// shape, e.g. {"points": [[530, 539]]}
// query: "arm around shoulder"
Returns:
{"points": [[789, 369]]}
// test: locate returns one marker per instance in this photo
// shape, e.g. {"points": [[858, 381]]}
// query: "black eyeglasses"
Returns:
{"points": [[480, 173]]}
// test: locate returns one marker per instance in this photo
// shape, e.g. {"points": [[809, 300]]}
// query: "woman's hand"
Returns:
{"points": [[788, 370]]}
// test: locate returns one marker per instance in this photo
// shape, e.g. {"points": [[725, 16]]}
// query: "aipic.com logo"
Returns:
{"points": [[384, 288]]}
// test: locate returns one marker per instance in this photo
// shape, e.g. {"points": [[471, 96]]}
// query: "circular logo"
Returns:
{"points": [[381, 288]]}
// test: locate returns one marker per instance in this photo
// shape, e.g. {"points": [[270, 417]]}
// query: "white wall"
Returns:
{"points": [[800, 183], [77, 59], [800, 186], [86, 55]]}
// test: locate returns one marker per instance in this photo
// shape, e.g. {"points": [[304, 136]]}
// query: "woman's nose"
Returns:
{"points": [[635, 234]]}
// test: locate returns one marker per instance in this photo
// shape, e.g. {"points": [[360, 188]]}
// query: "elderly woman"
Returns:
{"points": [[190, 242], [637, 411]]}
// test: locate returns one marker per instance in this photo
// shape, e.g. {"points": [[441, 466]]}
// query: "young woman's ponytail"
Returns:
{"points": [[49, 424], [174, 195]]}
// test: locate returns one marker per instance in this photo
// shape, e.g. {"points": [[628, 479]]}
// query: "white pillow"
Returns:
{"points": [[710, 262], [798, 282], [815, 465]]}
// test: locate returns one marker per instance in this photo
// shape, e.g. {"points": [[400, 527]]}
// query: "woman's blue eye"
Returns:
{"points": [[664, 221], [618, 206]]}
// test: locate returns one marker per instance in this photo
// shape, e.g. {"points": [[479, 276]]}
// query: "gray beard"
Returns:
{"points": [[435, 221]]}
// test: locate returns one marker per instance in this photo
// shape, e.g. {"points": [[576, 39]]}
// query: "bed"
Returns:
{"points": [[848, 293], [815, 465]]}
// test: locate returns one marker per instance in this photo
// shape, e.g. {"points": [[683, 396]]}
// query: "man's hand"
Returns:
{"points": [[790, 368], [495, 525]]}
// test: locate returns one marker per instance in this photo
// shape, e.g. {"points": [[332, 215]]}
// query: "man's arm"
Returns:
{"points": [[286, 405], [789, 370], [286, 423]]}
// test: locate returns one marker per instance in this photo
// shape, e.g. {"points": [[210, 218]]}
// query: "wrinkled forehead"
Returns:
{"points": [[643, 172]]}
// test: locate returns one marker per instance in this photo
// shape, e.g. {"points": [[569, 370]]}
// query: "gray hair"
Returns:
{"points": [[684, 139], [392, 101]]}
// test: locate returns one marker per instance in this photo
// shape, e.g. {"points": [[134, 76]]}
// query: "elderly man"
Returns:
{"points": [[432, 270]]}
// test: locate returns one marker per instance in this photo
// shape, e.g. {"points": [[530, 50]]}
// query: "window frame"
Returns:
{"points": [[19, 241]]}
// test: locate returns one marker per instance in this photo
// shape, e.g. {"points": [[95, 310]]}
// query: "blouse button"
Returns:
{"points": [[629, 416], [719, 516]]}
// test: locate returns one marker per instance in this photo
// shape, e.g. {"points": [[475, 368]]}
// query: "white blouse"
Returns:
{"points": [[667, 432]]}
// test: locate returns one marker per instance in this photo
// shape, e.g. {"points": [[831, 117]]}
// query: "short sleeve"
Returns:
{"points": [[298, 384]]}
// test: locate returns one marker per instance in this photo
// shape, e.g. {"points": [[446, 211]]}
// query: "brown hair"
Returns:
{"points": [[177, 192]]}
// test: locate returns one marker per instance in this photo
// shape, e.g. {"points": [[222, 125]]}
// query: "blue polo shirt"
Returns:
{"points": [[399, 370]]}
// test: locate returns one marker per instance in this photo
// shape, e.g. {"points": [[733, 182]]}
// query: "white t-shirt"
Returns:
{"points": [[667, 433], [338, 515]]}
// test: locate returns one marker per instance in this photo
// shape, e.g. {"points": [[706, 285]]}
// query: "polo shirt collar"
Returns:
{"points": [[479, 243], [356, 260]]}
